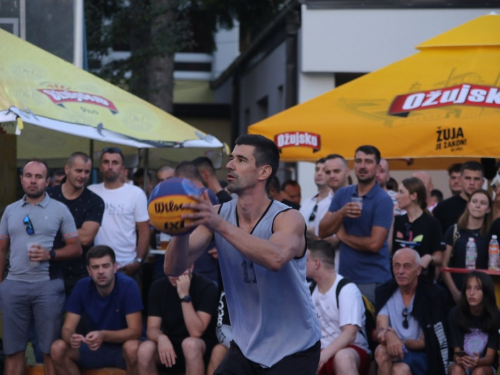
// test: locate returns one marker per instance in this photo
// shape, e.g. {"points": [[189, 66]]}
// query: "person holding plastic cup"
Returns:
{"points": [[28, 293], [361, 216]]}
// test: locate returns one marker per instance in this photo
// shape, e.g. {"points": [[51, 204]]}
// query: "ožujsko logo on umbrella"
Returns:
{"points": [[464, 94], [298, 139], [60, 96]]}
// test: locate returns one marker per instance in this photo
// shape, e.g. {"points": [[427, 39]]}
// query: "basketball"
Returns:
{"points": [[165, 205]]}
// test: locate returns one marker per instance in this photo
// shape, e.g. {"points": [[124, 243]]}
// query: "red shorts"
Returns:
{"points": [[364, 362]]}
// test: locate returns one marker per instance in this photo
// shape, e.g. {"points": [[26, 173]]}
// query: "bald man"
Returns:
{"points": [[383, 176], [410, 321]]}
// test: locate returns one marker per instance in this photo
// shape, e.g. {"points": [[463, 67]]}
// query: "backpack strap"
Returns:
{"points": [[340, 285], [312, 286]]}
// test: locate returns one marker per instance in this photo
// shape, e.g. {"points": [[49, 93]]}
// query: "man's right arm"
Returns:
{"points": [[87, 232], [330, 224], [182, 251], [69, 327]]}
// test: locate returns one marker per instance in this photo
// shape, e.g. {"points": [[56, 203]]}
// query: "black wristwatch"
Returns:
{"points": [[52, 254], [186, 298]]}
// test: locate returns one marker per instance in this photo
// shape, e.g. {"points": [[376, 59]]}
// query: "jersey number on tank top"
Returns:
{"points": [[248, 272]]}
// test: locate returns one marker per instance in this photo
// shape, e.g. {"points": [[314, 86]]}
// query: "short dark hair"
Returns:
{"points": [[454, 168], [289, 182], [100, 251], [274, 183], [187, 169], [438, 194], [369, 150], [320, 161], [205, 163], [37, 160], [266, 152], [322, 250], [472, 166], [75, 155], [336, 156], [112, 150], [59, 172]]}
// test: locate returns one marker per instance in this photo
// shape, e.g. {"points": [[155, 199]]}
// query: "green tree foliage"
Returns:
{"points": [[154, 30]]}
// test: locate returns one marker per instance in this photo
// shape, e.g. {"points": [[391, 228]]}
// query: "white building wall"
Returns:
{"points": [[228, 49], [355, 40]]}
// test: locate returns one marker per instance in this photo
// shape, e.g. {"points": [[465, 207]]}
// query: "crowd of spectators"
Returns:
{"points": [[76, 271]]}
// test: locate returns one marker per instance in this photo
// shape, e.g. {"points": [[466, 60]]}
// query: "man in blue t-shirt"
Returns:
{"points": [[363, 226], [110, 305]]}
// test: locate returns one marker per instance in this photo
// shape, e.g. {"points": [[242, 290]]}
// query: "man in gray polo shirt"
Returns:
{"points": [[28, 227]]}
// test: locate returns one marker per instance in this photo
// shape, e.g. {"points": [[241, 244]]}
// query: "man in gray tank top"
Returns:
{"points": [[261, 245]]}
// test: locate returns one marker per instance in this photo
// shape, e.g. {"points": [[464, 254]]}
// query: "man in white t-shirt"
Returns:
{"points": [[125, 224], [344, 348], [314, 208]]}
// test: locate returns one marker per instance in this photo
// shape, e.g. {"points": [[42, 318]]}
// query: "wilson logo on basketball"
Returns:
{"points": [[298, 139], [161, 207], [465, 94], [62, 96]]}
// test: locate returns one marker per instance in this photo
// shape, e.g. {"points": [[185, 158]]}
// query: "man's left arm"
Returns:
{"points": [[197, 321], [287, 241], [346, 337], [132, 332], [382, 223], [72, 248], [92, 221], [371, 244]]}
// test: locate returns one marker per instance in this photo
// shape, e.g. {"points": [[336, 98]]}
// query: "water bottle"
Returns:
{"points": [[470, 254], [493, 253]]}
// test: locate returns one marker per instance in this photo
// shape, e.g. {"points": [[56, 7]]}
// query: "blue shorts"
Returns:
{"points": [[417, 361], [108, 355]]}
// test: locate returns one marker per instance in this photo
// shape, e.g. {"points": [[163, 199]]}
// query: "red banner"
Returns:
{"points": [[464, 94], [62, 96], [298, 139]]}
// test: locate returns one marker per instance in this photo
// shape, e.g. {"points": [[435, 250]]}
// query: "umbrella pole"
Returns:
{"points": [[146, 174], [91, 155]]}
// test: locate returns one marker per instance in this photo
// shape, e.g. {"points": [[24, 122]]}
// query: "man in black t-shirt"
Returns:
{"points": [[181, 325], [449, 210], [87, 209]]}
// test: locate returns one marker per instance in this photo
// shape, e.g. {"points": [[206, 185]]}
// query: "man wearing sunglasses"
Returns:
{"points": [[28, 227], [87, 209], [313, 209], [125, 224], [410, 315]]}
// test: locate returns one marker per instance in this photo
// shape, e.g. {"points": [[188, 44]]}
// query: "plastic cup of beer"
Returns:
{"points": [[33, 264], [358, 201]]}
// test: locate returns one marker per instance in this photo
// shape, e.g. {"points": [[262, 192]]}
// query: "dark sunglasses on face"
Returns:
{"points": [[29, 225]]}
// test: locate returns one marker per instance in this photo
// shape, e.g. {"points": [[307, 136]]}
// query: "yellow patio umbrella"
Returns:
{"points": [[52, 104], [443, 102]]}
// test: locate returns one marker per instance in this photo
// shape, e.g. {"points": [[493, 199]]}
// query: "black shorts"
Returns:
{"points": [[301, 363]]}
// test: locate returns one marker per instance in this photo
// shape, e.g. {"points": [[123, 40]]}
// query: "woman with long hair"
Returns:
{"points": [[418, 226], [473, 326], [474, 223]]}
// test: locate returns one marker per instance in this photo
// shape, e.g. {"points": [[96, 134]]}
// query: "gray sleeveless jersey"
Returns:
{"points": [[271, 313]]}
